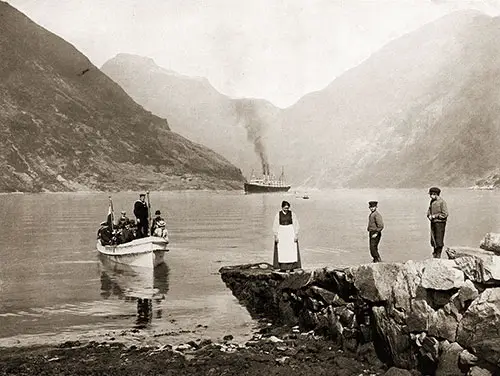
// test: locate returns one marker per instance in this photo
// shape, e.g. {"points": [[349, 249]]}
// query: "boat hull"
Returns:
{"points": [[145, 252], [263, 188]]}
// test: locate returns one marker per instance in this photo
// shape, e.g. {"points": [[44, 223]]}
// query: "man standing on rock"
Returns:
{"points": [[375, 227], [437, 214], [141, 212]]}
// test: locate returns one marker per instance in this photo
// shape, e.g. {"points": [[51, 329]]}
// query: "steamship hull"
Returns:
{"points": [[265, 188]]}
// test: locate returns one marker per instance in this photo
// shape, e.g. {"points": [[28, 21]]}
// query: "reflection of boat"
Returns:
{"points": [[135, 284], [267, 183], [145, 252]]}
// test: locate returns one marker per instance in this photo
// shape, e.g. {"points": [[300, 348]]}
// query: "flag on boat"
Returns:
{"points": [[111, 216]]}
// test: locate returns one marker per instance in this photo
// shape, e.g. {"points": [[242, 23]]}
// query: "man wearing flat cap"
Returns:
{"points": [[437, 214], [375, 227], [141, 212]]}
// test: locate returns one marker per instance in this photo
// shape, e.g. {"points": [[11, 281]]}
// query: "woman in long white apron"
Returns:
{"points": [[286, 241]]}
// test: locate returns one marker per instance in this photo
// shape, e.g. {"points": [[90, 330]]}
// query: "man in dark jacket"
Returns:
{"points": [[104, 233], [123, 220], [375, 227], [141, 212], [437, 214]]}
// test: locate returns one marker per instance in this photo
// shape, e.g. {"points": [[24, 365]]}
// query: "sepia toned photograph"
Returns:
{"points": [[267, 187]]}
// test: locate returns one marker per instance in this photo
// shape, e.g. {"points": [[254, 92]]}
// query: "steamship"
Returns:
{"points": [[267, 183]]}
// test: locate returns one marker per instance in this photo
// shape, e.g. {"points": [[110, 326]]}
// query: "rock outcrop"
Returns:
{"points": [[439, 316]]}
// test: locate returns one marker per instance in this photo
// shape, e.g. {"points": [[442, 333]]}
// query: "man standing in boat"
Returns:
{"points": [[141, 212], [375, 227], [286, 241], [438, 215]]}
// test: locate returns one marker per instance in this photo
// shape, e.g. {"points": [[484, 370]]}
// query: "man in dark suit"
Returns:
{"points": [[141, 212], [375, 227], [437, 215]]}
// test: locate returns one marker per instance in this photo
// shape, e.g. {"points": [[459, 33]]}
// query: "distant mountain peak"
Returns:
{"points": [[144, 62]]}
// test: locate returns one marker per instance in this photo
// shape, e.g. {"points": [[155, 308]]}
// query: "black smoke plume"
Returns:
{"points": [[248, 116]]}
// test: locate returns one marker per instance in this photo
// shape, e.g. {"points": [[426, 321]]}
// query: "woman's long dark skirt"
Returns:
{"points": [[286, 265]]}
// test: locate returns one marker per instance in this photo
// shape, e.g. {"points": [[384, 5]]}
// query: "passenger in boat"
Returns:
{"points": [[104, 234], [141, 212], [133, 228], [375, 227], [437, 215], [286, 240], [125, 231], [123, 220], [159, 227]]}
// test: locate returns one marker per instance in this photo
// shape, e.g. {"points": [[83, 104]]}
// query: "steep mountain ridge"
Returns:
{"points": [[65, 125], [386, 121], [238, 129]]}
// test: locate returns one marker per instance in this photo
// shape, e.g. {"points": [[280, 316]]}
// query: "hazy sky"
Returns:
{"points": [[273, 49]]}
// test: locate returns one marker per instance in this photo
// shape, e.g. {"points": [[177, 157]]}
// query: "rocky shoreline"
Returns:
{"points": [[274, 350], [436, 316]]}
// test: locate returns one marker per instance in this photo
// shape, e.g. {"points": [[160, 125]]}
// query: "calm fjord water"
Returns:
{"points": [[52, 282]]}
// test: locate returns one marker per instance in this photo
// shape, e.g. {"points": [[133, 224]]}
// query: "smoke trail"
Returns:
{"points": [[247, 115]]}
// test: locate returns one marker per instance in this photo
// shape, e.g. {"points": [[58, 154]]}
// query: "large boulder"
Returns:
{"points": [[375, 282], [480, 268], [393, 339], [395, 283], [449, 360], [419, 316], [481, 321], [489, 350], [467, 293], [443, 325], [442, 274]]}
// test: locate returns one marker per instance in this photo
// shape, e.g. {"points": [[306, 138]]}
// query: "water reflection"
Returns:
{"points": [[145, 287]]}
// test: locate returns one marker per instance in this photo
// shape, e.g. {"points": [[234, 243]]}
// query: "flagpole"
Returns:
{"points": [[149, 212], [112, 213]]}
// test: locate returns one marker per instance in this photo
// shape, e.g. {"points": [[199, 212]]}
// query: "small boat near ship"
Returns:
{"points": [[267, 183]]}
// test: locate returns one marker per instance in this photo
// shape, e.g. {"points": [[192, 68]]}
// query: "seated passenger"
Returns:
{"points": [[127, 233], [159, 227], [104, 234], [123, 220]]}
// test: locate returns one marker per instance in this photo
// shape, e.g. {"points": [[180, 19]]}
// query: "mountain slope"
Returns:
{"points": [[65, 125], [235, 128], [423, 110]]}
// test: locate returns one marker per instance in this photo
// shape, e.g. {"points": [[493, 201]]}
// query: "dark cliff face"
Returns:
{"points": [[66, 126]]}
